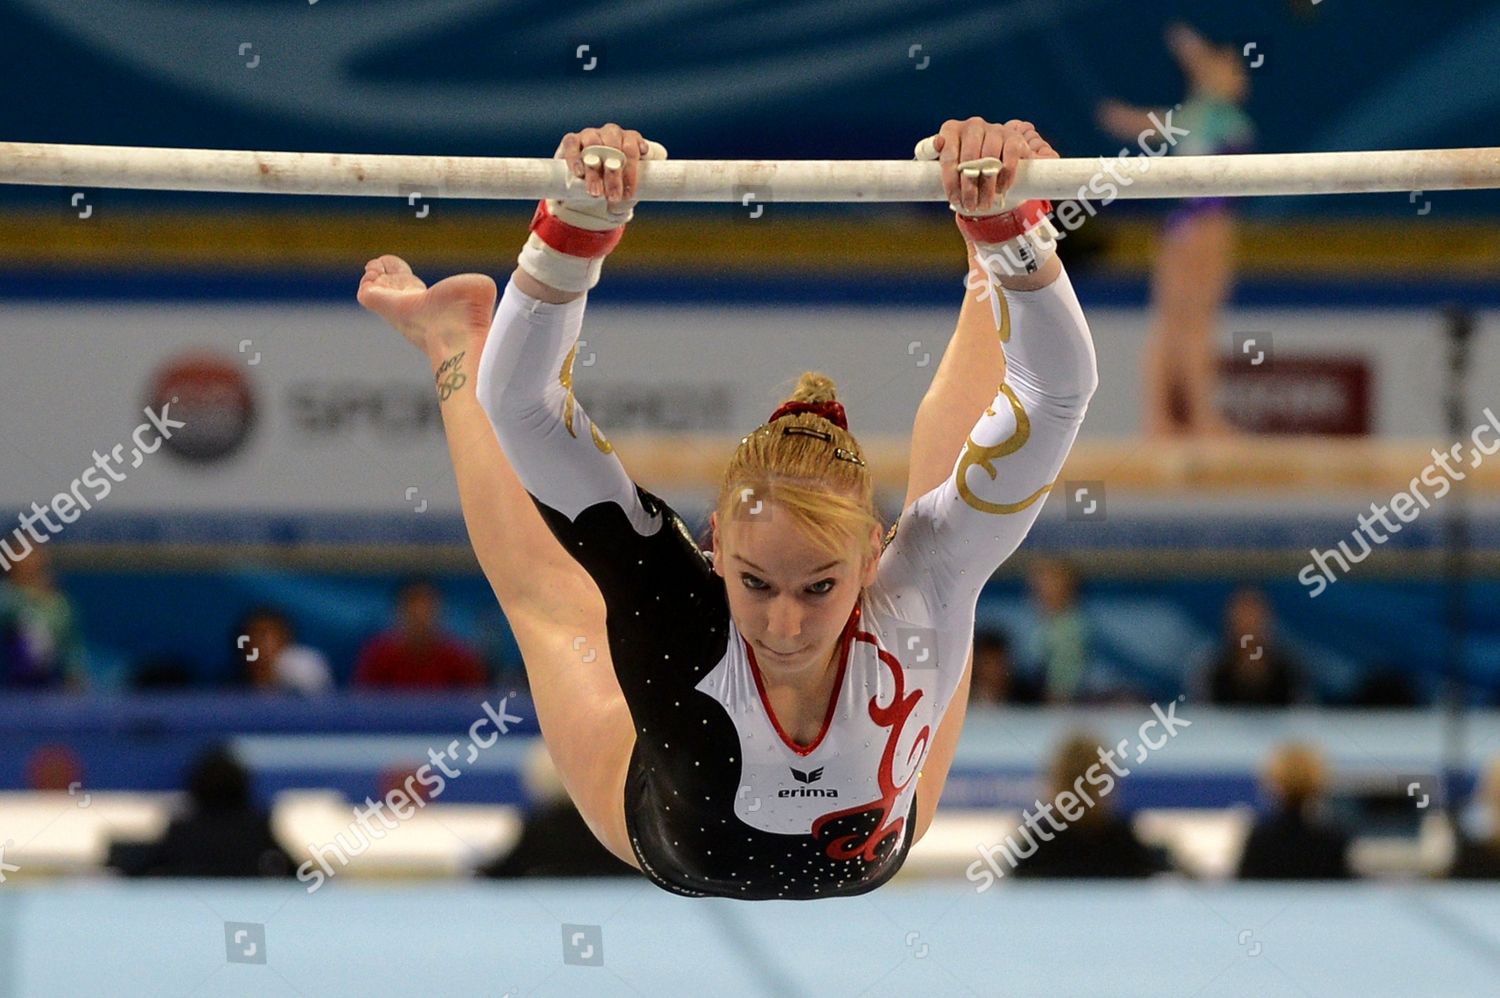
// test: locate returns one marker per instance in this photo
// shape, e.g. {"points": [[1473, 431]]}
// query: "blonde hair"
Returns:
{"points": [[811, 468], [1071, 762], [1296, 773]]}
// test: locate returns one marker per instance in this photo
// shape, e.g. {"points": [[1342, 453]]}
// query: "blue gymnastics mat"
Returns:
{"points": [[539, 937]]}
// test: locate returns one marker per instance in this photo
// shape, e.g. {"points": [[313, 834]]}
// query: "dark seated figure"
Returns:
{"points": [[1251, 668], [1103, 847], [222, 835], [1236, 681], [1290, 843], [1387, 686], [1099, 843], [555, 842], [1288, 846], [1478, 855], [1476, 860]]}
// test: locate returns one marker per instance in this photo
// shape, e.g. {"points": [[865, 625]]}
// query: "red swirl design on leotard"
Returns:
{"points": [[892, 716]]}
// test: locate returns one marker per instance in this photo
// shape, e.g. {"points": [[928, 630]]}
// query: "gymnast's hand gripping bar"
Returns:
{"points": [[497, 178]]}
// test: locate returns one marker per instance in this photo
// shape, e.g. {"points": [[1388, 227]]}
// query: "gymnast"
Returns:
{"points": [[776, 718]]}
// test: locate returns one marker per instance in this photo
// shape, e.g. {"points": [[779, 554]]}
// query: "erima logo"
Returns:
{"points": [[812, 776]]}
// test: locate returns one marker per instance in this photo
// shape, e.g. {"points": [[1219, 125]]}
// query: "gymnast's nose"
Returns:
{"points": [[783, 623]]}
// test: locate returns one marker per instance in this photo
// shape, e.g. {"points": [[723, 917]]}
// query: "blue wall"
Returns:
{"points": [[791, 79]]}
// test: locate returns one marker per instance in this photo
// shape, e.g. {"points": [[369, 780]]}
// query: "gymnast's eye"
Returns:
{"points": [[751, 582], [821, 592]]}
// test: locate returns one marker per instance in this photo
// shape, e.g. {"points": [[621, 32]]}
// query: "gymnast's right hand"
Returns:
{"points": [[612, 178], [448, 318]]}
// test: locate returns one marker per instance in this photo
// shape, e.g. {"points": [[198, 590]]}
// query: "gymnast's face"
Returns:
{"points": [[789, 598]]}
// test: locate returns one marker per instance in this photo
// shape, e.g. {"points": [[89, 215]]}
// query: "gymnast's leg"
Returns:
{"points": [[1190, 282], [1209, 267], [553, 606]]}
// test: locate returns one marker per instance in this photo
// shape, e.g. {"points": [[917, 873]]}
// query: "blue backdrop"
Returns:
{"points": [[805, 79]]}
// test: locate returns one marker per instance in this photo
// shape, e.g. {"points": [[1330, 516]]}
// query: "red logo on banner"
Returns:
{"points": [[1310, 396], [212, 397]]}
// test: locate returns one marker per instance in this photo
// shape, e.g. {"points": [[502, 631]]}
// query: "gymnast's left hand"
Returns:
{"points": [[975, 192]]}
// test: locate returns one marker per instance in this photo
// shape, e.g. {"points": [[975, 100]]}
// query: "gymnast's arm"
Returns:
{"points": [[953, 538], [534, 288], [525, 386], [964, 384], [1128, 122], [961, 390], [973, 363]]}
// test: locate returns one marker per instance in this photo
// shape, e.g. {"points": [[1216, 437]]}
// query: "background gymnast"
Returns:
{"points": [[772, 721], [1193, 268]]}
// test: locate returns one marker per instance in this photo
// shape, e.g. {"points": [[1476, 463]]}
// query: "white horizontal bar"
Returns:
{"points": [[732, 180]]}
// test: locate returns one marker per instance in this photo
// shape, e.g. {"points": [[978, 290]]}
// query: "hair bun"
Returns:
{"points": [[814, 386]]}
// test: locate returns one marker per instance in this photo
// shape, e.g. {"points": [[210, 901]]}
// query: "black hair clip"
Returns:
{"points": [[825, 437], [839, 453]]}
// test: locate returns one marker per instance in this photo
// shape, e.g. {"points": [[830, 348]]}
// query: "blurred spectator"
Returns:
{"points": [[222, 834], [1292, 843], [993, 673], [1251, 669], [273, 661], [163, 672], [1478, 853], [416, 654], [53, 766], [1387, 686], [40, 647], [555, 841], [1099, 843], [1194, 266], [1064, 636]]}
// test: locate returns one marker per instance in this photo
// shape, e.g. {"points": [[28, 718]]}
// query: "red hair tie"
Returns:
{"points": [[831, 411]]}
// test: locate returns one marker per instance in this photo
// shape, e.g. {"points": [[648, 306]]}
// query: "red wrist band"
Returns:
{"points": [[1006, 225], [573, 240]]}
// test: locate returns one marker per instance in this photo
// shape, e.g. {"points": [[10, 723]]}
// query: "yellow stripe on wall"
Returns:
{"points": [[896, 240]]}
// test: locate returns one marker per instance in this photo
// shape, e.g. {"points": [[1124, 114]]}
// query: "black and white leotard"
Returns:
{"points": [[719, 801]]}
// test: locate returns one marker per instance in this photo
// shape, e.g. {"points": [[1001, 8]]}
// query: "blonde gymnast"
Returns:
{"points": [[775, 720]]}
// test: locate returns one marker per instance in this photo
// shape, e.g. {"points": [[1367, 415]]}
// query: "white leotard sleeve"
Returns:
{"points": [[525, 386], [951, 540]]}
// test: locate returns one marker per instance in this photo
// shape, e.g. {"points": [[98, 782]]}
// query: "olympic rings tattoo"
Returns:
{"points": [[449, 378]]}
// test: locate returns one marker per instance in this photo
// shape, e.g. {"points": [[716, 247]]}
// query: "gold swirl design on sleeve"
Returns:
{"points": [[1004, 331], [985, 457], [565, 378]]}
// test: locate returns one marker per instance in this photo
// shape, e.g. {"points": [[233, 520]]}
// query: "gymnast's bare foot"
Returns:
{"points": [[451, 316]]}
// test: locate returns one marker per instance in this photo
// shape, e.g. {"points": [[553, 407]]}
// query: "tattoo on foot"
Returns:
{"points": [[450, 378]]}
